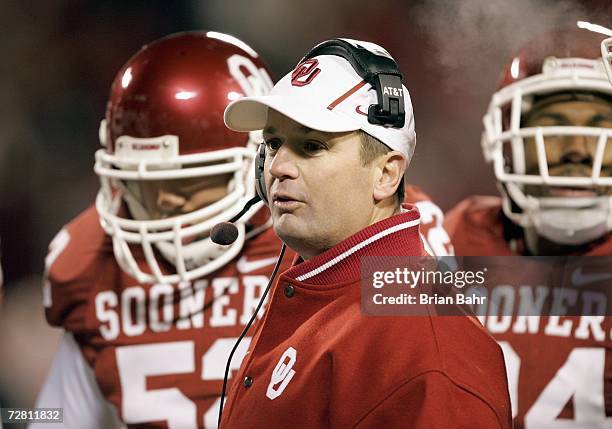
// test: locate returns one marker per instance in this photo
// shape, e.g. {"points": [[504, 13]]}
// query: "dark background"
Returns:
{"points": [[60, 57]]}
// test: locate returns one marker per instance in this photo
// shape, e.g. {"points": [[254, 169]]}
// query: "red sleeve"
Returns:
{"points": [[475, 227], [70, 269], [435, 238], [432, 400], [413, 193]]}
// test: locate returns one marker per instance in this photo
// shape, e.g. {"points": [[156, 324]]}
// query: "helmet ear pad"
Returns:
{"points": [[260, 181]]}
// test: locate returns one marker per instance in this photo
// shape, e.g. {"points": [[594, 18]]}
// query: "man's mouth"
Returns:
{"points": [[568, 191], [285, 202]]}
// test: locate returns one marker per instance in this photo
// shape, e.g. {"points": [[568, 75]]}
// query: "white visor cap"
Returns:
{"points": [[326, 94]]}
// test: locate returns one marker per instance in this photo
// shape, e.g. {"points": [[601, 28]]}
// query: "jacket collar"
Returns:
{"points": [[397, 235]]}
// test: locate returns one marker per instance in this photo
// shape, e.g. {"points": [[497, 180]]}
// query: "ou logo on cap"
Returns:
{"points": [[305, 72]]}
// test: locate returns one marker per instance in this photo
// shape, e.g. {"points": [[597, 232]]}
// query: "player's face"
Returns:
{"points": [[319, 191], [167, 198], [570, 155]]}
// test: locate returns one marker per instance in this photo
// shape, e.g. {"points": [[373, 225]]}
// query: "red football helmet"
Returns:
{"points": [[564, 65], [164, 120]]}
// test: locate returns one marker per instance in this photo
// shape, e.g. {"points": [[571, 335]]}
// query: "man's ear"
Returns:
{"points": [[391, 167]]}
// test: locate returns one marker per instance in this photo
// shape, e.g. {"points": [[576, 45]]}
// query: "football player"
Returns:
{"points": [[150, 306], [548, 134]]}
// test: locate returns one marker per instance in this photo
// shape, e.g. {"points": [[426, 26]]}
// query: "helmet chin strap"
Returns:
{"points": [[566, 221], [571, 226], [570, 222]]}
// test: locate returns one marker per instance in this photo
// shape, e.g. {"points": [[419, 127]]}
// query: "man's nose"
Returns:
{"points": [[169, 202], [283, 164], [576, 151], [575, 157]]}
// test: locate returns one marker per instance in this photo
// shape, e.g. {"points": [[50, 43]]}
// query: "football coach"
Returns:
{"points": [[339, 134]]}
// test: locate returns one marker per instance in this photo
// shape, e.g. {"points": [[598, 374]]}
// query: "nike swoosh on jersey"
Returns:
{"points": [[245, 266], [580, 279]]}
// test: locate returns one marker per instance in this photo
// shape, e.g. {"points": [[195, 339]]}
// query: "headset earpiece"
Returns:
{"points": [[260, 181]]}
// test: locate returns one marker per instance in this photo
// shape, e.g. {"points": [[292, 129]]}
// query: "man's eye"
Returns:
{"points": [[273, 144], [313, 146]]}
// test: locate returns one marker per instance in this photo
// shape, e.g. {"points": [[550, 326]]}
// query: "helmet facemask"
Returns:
{"points": [[565, 202], [606, 55], [182, 239], [170, 169]]}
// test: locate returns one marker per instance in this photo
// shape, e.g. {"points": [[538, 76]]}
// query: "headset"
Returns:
{"points": [[378, 69]]}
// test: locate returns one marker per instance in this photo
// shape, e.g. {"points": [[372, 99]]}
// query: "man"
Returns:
{"points": [[151, 307], [548, 132], [334, 162]]}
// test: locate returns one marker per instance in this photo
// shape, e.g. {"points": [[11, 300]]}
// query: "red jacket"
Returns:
{"points": [[317, 362]]}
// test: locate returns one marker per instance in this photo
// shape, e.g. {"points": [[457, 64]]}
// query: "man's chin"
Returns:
{"points": [[288, 228]]}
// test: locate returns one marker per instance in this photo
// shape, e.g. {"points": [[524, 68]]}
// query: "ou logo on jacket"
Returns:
{"points": [[283, 373]]}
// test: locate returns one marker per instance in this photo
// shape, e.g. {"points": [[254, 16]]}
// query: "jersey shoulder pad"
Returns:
{"points": [[71, 265], [475, 226], [413, 194], [602, 248]]}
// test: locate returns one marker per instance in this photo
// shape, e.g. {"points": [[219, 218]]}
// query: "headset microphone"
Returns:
{"points": [[226, 233]]}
